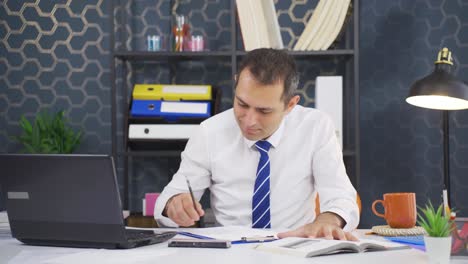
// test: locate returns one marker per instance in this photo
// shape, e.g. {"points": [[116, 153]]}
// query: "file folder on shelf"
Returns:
{"points": [[170, 110], [159, 137], [171, 92], [161, 131]]}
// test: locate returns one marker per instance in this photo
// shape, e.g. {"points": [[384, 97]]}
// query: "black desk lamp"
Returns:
{"points": [[442, 91]]}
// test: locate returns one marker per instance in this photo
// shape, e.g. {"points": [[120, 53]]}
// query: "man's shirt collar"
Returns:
{"points": [[274, 139]]}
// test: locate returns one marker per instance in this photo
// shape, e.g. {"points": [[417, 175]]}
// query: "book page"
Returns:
{"points": [[308, 247], [367, 245]]}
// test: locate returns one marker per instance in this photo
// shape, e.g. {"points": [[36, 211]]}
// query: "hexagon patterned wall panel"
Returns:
{"points": [[56, 55]]}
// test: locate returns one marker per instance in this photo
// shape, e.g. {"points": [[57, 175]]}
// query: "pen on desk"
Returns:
{"points": [[193, 235], [200, 222], [258, 238]]}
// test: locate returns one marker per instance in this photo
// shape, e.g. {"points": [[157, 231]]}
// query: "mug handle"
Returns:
{"points": [[375, 210]]}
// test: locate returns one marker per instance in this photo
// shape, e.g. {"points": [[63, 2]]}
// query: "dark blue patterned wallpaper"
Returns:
{"points": [[401, 145], [56, 55]]}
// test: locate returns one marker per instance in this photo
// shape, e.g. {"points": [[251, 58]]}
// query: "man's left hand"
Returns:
{"points": [[327, 225]]}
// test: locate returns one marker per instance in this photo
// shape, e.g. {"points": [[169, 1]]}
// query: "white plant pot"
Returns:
{"points": [[438, 249]]}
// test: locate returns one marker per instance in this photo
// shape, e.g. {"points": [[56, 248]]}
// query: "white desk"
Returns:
{"points": [[12, 251]]}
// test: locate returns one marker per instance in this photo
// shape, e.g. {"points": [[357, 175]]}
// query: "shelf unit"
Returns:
{"points": [[349, 55]]}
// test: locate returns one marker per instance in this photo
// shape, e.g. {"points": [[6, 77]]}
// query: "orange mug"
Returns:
{"points": [[400, 209]]}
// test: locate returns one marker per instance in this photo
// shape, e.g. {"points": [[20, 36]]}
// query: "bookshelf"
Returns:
{"points": [[346, 55]]}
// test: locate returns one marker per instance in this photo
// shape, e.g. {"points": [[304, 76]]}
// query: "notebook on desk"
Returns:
{"points": [[68, 200]]}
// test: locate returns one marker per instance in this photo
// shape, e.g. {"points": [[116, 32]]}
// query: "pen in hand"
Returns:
{"points": [[200, 222]]}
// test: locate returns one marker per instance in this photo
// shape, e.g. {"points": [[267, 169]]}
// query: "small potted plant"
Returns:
{"points": [[48, 134], [439, 229]]}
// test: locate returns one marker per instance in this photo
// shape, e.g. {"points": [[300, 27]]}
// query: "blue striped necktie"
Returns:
{"points": [[261, 196]]}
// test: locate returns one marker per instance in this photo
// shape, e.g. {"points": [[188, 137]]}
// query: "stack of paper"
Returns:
{"points": [[235, 234], [324, 25], [4, 225], [259, 24]]}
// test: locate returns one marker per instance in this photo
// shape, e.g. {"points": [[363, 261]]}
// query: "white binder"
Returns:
{"points": [[161, 132]]}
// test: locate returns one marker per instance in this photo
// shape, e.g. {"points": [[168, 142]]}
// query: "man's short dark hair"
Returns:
{"points": [[270, 66]]}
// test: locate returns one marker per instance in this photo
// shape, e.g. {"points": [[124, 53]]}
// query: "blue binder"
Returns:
{"points": [[170, 110]]}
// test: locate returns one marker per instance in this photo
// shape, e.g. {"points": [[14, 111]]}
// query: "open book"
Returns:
{"points": [[308, 247]]}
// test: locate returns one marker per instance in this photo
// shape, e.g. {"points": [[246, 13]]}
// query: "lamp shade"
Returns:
{"points": [[440, 89]]}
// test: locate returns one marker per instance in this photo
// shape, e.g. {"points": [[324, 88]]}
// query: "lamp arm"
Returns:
{"points": [[445, 132]]}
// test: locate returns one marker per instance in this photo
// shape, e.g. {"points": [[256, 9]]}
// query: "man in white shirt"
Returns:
{"points": [[265, 160]]}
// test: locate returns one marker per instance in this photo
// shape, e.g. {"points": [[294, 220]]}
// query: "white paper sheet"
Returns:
{"points": [[3, 217], [231, 233], [5, 232]]}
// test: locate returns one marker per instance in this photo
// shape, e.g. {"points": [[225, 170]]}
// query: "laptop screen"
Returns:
{"points": [[72, 197]]}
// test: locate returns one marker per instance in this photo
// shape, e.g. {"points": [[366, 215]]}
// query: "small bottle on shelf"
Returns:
{"points": [[196, 43], [156, 42], [180, 32], [149, 43]]}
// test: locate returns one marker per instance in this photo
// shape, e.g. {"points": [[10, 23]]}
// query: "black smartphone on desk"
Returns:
{"points": [[199, 243]]}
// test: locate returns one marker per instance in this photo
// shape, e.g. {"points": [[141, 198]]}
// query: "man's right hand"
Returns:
{"points": [[179, 208]]}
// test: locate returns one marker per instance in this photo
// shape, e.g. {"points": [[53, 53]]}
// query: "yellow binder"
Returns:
{"points": [[171, 92]]}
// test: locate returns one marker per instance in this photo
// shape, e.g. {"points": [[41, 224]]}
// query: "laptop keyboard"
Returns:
{"points": [[135, 235]]}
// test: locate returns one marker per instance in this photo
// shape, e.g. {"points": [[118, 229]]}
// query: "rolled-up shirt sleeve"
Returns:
{"points": [[336, 192], [195, 166]]}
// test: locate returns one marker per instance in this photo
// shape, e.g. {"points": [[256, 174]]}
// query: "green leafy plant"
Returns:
{"points": [[434, 221], [48, 135]]}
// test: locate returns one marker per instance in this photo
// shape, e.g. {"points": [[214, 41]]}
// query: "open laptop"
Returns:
{"points": [[68, 200]]}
